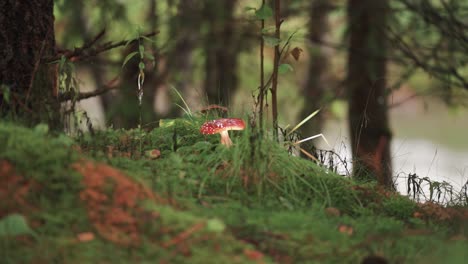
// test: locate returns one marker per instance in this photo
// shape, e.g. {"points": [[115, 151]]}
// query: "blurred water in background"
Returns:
{"points": [[429, 142], [410, 156]]}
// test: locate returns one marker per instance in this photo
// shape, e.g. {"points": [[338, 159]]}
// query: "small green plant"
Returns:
{"points": [[142, 55], [271, 37], [427, 190]]}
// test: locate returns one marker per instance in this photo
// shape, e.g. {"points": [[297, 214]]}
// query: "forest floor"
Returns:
{"points": [[172, 195]]}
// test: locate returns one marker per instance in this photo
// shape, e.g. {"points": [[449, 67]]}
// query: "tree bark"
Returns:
{"points": [[368, 119], [27, 39], [314, 87]]}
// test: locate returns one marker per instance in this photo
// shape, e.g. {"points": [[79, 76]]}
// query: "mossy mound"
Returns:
{"points": [[80, 211], [103, 199]]}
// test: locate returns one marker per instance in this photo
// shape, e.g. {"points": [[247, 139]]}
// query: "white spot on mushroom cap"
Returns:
{"points": [[223, 124]]}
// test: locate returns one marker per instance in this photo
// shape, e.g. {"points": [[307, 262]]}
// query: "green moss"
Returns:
{"points": [[222, 204], [399, 207]]}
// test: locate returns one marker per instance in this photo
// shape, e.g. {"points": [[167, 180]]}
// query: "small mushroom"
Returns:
{"points": [[219, 110], [222, 126]]}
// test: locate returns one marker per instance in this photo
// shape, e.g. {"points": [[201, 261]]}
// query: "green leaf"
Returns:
{"points": [[215, 225], [148, 39], [141, 48], [268, 30], [14, 225], [271, 41], [129, 56], [166, 122], [264, 12], [128, 42], [249, 8], [141, 65], [149, 56], [284, 68]]}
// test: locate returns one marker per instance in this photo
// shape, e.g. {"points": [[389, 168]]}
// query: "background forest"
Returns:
{"points": [[207, 52], [354, 148]]}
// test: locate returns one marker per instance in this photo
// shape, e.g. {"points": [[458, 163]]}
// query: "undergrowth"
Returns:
{"points": [[201, 202]]}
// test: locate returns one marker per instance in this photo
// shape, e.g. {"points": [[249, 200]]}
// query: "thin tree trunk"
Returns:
{"points": [[185, 27], [27, 38], [152, 76], [314, 87], [274, 80], [222, 48], [262, 75], [368, 119]]}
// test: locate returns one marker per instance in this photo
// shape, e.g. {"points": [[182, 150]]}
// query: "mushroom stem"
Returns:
{"points": [[225, 139]]}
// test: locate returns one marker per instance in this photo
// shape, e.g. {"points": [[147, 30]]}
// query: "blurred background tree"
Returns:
{"points": [[318, 72], [366, 84]]}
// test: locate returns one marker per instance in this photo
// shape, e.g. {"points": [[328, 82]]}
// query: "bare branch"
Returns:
{"points": [[87, 50], [67, 96]]}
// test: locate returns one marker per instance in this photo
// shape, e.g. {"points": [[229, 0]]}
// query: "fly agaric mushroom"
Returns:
{"points": [[222, 126]]}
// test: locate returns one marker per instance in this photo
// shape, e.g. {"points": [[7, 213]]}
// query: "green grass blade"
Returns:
{"points": [[187, 108], [303, 121]]}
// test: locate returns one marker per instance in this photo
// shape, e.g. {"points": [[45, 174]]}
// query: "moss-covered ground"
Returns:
{"points": [[172, 195]]}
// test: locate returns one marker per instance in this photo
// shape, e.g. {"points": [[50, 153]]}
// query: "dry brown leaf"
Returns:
{"points": [[332, 211], [417, 215], [153, 154], [110, 151], [345, 229], [85, 236], [296, 53], [253, 254]]}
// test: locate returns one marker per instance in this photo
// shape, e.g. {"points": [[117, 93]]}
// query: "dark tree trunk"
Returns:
{"points": [[27, 39], [221, 50], [185, 27], [368, 120], [314, 87]]}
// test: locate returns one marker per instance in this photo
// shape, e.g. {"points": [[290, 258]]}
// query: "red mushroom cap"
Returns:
{"points": [[220, 125]]}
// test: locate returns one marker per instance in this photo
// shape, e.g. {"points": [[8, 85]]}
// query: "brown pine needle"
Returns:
{"points": [[308, 154], [184, 235]]}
